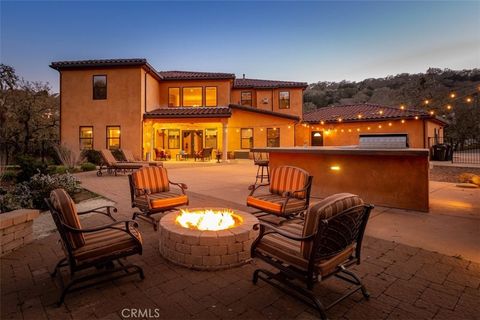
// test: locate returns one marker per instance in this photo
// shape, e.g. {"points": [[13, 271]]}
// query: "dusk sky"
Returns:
{"points": [[299, 41]]}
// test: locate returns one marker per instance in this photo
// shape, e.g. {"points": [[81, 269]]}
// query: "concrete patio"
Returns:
{"points": [[415, 265]]}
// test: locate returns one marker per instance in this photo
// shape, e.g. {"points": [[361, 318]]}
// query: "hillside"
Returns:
{"points": [[411, 90]]}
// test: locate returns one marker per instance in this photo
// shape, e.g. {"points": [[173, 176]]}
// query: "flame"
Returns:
{"points": [[208, 219]]}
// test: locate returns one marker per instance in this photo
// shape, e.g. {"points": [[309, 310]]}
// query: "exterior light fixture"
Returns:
{"points": [[380, 126], [335, 168], [402, 107], [322, 122], [358, 130], [427, 101], [469, 99], [449, 107], [368, 128], [416, 117], [389, 124], [289, 127], [403, 121], [359, 116], [339, 119], [432, 113], [452, 95], [342, 130], [317, 134], [380, 112], [349, 130]]}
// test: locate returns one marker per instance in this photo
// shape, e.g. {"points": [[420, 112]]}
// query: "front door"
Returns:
{"points": [[317, 138], [192, 141]]}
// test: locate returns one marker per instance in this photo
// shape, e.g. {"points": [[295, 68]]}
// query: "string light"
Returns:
{"points": [[416, 117], [368, 128], [432, 112], [359, 116], [402, 107], [389, 124], [469, 99], [427, 101], [449, 107], [380, 112], [339, 119], [403, 121], [342, 130], [349, 130], [322, 122], [358, 130], [380, 126], [452, 95]]}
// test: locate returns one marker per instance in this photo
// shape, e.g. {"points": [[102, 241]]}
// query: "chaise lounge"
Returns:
{"points": [[113, 166]]}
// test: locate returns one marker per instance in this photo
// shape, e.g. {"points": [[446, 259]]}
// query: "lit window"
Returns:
{"points": [[284, 100], [174, 139], [246, 98], [174, 97], [211, 138], [273, 137], [113, 137], [192, 97], [86, 138], [246, 138], [100, 87], [211, 96]]}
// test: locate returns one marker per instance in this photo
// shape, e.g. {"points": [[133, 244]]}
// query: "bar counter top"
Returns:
{"points": [[347, 150]]}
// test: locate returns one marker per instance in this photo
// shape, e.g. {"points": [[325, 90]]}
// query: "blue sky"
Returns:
{"points": [[300, 41]]}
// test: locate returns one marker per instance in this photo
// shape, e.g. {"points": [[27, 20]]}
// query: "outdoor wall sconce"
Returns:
{"points": [[335, 168]]}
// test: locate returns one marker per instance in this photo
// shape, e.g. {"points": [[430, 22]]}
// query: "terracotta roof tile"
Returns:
{"points": [[189, 112], [363, 112], [97, 63], [267, 84], [262, 111], [194, 75]]}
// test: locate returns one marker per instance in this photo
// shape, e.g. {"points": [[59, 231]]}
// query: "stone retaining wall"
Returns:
{"points": [[16, 229]]}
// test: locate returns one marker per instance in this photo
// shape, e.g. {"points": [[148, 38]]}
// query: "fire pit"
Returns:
{"points": [[207, 239]]}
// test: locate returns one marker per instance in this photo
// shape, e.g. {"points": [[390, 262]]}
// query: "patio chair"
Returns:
{"points": [[203, 154], [100, 248], [327, 243], [113, 166], [130, 158], [150, 193], [161, 155], [288, 195]]}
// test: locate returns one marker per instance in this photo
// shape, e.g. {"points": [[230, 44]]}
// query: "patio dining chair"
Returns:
{"points": [[326, 244], [101, 248], [288, 194], [203, 154], [113, 166], [150, 193]]}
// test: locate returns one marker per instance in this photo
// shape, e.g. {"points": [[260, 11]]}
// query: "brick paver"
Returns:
{"points": [[404, 282]]}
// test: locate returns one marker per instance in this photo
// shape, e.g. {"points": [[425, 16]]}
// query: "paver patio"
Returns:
{"points": [[405, 282]]}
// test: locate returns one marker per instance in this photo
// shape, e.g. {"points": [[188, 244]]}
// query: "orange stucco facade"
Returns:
{"points": [[135, 93]]}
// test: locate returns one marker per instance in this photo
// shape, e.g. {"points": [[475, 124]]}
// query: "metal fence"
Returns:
{"points": [[455, 150]]}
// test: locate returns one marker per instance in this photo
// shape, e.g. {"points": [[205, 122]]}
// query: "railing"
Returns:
{"points": [[456, 150]]}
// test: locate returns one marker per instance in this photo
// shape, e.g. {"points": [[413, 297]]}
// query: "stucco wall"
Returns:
{"points": [[333, 135], [152, 94], [122, 107]]}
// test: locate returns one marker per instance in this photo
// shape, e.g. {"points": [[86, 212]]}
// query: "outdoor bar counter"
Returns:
{"points": [[396, 178]]}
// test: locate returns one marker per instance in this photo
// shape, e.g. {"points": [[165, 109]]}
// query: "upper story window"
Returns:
{"points": [[211, 96], [284, 100], [174, 97], [273, 137], [192, 97], [246, 98], [113, 137], [86, 138], [99, 87]]}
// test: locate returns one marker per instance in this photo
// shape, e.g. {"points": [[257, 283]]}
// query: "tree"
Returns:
{"points": [[29, 115]]}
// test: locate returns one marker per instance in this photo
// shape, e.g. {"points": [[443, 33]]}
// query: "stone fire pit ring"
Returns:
{"points": [[207, 250]]}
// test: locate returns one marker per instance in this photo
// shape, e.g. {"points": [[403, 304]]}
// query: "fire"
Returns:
{"points": [[208, 219]]}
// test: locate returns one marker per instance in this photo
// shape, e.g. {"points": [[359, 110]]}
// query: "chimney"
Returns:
{"points": [[244, 76]]}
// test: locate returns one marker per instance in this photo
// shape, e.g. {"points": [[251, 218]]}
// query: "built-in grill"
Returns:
{"points": [[383, 141]]}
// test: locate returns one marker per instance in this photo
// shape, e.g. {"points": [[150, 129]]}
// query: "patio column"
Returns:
{"points": [[225, 141]]}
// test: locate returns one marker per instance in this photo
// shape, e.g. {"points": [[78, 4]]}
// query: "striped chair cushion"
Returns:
{"points": [[105, 243], [289, 251], [108, 157], [159, 201], [128, 155], [273, 203], [287, 178], [155, 179], [62, 202], [325, 209]]}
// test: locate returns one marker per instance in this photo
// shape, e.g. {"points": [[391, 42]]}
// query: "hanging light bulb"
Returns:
{"points": [[449, 107], [403, 121], [402, 107], [389, 124], [469, 99], [427, 101], [452, 95]]}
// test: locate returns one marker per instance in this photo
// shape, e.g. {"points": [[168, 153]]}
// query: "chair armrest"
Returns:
{"points": [[254, 187], [182, 186], [97, 210], [266, 228], [142, 191], [103, 227]]}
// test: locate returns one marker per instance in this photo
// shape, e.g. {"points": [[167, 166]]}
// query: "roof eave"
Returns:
{"points": [[266, 112]]}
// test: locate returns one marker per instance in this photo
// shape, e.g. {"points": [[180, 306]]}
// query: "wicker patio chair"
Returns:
{"points": [[327, 243], [150, 193], [100, 248], [288, 195], [113, 166], [203, 154]]}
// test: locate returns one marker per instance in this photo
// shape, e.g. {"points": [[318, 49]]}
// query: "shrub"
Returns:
{"points": [[92, 156], [58, 169], [20, 197], [68, 157], [88, 166], [118, 155], [40, 186], [29, 167], [9, 176]]}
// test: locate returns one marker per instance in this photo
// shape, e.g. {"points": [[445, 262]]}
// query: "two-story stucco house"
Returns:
{"points": [[127, 104]]}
